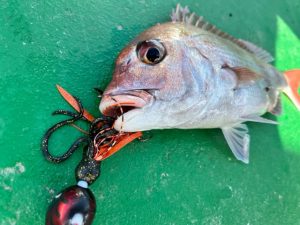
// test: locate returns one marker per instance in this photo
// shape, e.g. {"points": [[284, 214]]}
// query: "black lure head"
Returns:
{"points": [[88, 170]]}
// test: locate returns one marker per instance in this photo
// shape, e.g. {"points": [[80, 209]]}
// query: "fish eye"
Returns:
{"points": [[151, 51]]}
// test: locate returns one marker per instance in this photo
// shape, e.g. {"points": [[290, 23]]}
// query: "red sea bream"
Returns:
{"points": [[188, 74]]}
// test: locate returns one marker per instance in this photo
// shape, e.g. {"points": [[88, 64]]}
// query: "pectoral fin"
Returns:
{"points": [[238, 140], [243, 75]]}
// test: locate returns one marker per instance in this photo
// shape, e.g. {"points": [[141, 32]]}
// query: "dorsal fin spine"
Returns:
{"points": [[183, 15]]}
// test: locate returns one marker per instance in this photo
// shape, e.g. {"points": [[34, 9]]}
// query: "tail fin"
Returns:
{"points": [[293, 79]]}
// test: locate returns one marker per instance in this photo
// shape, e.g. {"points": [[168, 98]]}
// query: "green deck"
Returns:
{"points": [[177, 177]]}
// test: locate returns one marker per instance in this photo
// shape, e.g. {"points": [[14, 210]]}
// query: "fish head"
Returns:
{"points": [[149, 84]]}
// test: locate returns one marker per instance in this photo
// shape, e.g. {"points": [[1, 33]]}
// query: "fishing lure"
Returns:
{"points": [[76, 204]]}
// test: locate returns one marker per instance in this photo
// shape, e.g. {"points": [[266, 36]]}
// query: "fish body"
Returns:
{"points": [[188, 74]]}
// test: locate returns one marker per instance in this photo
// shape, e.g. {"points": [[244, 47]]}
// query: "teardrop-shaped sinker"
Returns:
{"points": [[73, 206]]}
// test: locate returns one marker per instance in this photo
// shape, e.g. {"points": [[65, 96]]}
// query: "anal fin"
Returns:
{"points": [[238, 140]]}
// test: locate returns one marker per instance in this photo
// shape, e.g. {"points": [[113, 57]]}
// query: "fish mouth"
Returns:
{"points": [[118, 104]]}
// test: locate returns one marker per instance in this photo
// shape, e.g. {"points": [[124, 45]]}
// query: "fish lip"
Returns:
{"points": [[121, 123], [114, 104]]}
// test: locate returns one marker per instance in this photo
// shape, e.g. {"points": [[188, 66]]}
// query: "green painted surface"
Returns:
{"points": [[177, 177]]}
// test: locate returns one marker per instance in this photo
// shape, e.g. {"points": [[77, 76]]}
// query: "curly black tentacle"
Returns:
{"points": [[66, 155], [67, 113], [89, 151], [51, 130]]}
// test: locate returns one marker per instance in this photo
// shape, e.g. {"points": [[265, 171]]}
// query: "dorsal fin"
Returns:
{"points": [[183, 15], [259, 52]]}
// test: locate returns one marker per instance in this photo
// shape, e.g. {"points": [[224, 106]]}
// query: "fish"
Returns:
{"points": [[188, 74]]}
